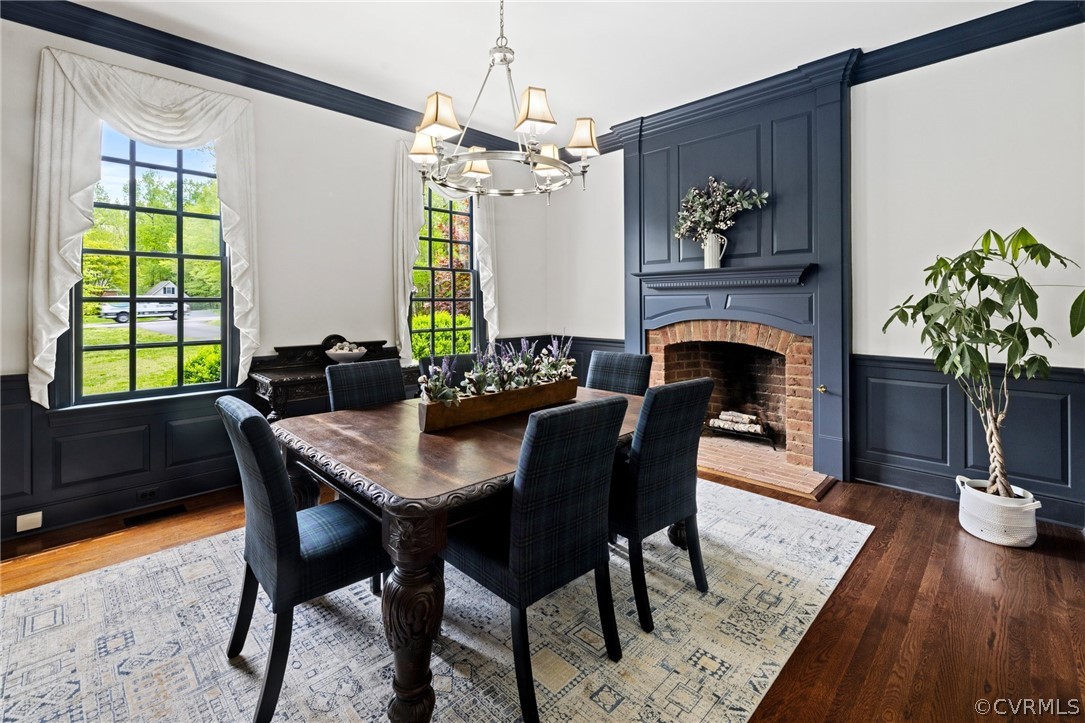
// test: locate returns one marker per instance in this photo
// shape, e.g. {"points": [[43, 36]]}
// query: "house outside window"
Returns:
{"points": [[445, 302], [151, 315]]}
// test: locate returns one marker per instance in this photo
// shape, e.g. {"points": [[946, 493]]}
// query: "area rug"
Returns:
{"points": [[144, 640]]}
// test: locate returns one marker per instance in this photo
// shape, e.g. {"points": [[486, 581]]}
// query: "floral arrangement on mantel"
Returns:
{"points": [[712, 209], [501, 368]]}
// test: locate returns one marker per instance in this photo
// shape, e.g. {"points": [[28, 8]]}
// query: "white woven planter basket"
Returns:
{"points": [[1001, 520]]}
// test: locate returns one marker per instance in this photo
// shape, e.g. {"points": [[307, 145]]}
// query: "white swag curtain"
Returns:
{"points": [[408, 215], [75, 94]]}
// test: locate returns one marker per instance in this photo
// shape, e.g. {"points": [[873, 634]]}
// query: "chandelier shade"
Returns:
{"points": [[461, 169], [476, 168], [535, 117], [549, 150], [583, 142], [423, 149], [439, 120]]}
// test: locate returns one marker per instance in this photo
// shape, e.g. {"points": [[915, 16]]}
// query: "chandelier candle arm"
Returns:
{"points": [[466, 170]]}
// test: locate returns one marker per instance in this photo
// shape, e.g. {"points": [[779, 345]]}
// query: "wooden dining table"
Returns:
{"points": [[416, 484]]}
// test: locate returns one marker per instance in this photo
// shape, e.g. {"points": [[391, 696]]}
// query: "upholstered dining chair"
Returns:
{"points": [[364, 384], [552, 528], [615, 371], [295, 556], [655, 480]]}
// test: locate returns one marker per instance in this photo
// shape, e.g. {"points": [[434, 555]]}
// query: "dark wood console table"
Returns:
{"points": [[292, 382]]}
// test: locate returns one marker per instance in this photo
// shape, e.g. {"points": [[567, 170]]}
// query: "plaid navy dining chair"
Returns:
{"points": [[364, 384], [615, 371], [655, 480], [552, 528], [295, 556]]}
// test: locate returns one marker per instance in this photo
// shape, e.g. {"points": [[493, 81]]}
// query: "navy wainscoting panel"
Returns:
{"points": [[80, 463], [16, 420], [913, 428]]}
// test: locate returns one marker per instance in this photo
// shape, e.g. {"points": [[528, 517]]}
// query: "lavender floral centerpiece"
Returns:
{"points": [[502, 380]]}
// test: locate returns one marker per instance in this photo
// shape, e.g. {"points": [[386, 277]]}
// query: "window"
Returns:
{"points": [[151, 314], [444, 303]]}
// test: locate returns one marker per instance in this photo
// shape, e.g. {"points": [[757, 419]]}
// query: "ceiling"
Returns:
{"points": [[611, 60]]}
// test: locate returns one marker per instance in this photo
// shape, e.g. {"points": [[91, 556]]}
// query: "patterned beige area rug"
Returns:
{"points": [[145, 640]]}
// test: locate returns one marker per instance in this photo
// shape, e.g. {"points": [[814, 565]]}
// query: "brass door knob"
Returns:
{"points": [[822, 388]]}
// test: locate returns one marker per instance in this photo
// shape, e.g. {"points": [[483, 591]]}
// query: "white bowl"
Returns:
{"points": [[345, 356]]}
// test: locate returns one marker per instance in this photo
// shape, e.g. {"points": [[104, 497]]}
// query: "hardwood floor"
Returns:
{"points": [[927, 621]]}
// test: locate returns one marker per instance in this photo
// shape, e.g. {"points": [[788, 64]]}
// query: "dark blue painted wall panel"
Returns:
{"points": [[733, 156], [912, 428], [1037, 429], [659, 209], [792, 169], [898, 421]]}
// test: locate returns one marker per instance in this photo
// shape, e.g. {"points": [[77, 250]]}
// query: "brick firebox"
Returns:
{"points": [[689, 349]]}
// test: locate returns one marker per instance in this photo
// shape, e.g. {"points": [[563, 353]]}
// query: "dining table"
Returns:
{"points": [[416, 484]]}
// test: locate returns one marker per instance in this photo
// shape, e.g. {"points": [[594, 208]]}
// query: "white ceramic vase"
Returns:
{"points": [[713, 250], [1009, 521]]}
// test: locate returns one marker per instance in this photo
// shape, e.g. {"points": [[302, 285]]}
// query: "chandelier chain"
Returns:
{"points": [[502, 41]]}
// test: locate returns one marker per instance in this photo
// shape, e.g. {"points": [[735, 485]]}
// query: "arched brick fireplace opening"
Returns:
{"points": [[757, 368]]}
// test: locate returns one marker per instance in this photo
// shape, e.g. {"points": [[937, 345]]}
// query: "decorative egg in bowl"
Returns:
{"points": [[345, 351]]}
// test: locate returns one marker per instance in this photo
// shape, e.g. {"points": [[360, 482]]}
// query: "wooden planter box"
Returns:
{"points": [[434, 416]]}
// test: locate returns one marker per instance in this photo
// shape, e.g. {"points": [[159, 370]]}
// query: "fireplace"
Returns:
{"points": [[758, 369]]}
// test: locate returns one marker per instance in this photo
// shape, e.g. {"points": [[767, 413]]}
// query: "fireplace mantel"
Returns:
{"points": [[726, 278]]}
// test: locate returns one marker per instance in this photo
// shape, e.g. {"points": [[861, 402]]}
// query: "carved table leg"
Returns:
{"points": [[676, 533], [412, 606], [277, 402]]}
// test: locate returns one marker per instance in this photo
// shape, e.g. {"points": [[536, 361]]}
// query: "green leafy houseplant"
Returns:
{"points": [[981, 307]]}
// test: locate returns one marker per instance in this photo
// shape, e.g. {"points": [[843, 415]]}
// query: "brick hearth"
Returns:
{"points": [[681, 351]]}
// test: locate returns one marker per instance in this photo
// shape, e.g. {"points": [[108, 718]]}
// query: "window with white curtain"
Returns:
{"points": [[171, 124], [151, 314], [444, 318]]}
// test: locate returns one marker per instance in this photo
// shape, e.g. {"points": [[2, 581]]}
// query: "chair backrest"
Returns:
{"points": [[663, 456], [272, 542], [560, 495], [365, 384], [616, 371]]}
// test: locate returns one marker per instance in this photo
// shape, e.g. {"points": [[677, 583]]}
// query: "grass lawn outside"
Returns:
{"points": [[106, 371]]}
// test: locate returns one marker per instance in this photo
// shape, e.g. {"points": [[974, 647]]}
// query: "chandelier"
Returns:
{"points": [[467, 170]]}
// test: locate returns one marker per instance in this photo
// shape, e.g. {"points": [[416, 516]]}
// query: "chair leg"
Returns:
{"points": [[640, 585], [606, 612], [276, 666], [612, 538], [244, 613], [693, 540], [375, 585], [521, 655]]}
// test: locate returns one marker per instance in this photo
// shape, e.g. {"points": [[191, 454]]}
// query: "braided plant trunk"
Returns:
{"points": [[992, 426]]}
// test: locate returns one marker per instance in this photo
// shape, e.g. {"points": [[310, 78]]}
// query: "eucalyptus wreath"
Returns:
{"points": [[712, 209]]}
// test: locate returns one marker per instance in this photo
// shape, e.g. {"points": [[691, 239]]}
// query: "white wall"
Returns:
{"points": [[995, 139], [586, 250], [324, 228]]}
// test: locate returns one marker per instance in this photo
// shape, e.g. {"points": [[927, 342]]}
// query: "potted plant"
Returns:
{"points": [[707, 212], [981, 309], [504, 380]]}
